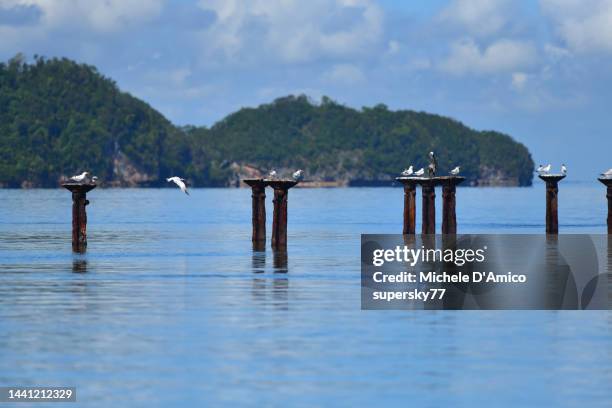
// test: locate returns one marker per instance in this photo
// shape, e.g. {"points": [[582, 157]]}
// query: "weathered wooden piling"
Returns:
{"points": [[258, 195], [608, 183], [428, 191], [79, 214], [552, 190], [449, 214], [279, 221], [410, 184]]}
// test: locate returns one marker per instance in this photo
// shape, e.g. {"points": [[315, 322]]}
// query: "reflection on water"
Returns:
{"points": [[172, 306], [258, 261], [281, 261], [79, 265], [271, 289]]}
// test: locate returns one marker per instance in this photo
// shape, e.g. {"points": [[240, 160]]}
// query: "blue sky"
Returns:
{"points": [[538, 70]]}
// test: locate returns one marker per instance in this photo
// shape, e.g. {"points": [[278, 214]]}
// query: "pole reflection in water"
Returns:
{"points": [[551, 272], [280, 261], [280, 286], [272, 289], [258, 259], [79, 265]]}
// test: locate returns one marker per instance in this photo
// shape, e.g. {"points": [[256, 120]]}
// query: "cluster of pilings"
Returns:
{"points": [[428, 190], [279, 220], [281, 191]]}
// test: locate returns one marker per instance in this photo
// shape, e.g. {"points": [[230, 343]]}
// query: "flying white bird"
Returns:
{"points": [[179, 182], [298, 175], [419, 172], [272, 174], [80, 177], [455, 171], [563, 169], [408, 172], [607, 174]]}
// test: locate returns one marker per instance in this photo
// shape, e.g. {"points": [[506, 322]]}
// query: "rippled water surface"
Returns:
{"points": [[170, 306]]}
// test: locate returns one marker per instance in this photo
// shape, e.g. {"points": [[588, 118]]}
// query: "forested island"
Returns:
{"points": [[59, 117]]}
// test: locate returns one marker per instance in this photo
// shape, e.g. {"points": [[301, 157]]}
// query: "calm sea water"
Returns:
{"points": [[170, 306]]}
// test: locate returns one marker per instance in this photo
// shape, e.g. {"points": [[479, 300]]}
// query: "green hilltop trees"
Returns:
{"points": [[58, 118]]}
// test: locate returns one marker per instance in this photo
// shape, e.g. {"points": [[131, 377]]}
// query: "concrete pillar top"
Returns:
{"points": [[607, 181], [552, 178], [255, 182], [431, 181], [275, 184], [79, 187], [281, 184]]}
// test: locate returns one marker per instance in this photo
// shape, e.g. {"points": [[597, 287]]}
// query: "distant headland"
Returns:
{"points": [[59, 117]]}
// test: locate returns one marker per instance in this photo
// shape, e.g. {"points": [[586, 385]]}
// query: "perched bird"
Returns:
{"points": [[543, 169], [455, 171], [563, 169], [607, 174], [433, 165], [298, 175], [80, 177], [94, 179], [408, 172], [419, 172], [179, 182], [272, 174]]}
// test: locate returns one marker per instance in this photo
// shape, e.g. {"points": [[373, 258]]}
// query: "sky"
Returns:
{"points": [[539, 70]]}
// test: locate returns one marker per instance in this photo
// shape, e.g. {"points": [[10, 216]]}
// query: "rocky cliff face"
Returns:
{"points": [[126, 174], [494, 177]]}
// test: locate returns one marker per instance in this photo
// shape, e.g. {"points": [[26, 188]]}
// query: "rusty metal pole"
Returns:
{"points": [[428, 190], [258, 196], [608, 183], [609, 195], [449, 214], [279, 220], [79, 214], [409, 204], [552, 190]]}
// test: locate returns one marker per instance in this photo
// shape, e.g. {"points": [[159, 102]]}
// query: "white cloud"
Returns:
{"points": [[583, 26], [477, 17], [98, 15], [501, 56], [344, 74], [179, 75], [418, 64], [519, 79], [291, 30], [556, 53], [393, 47]]}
